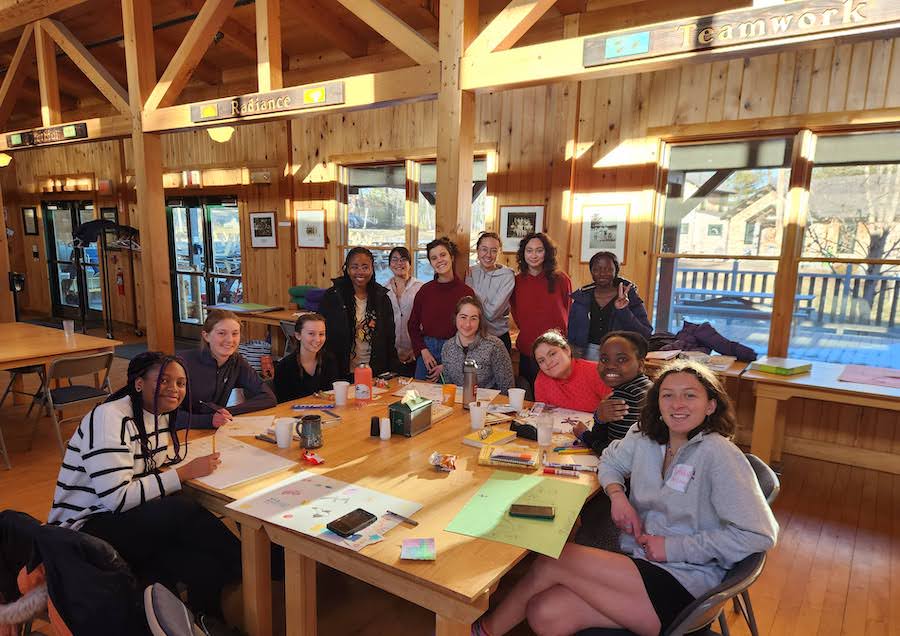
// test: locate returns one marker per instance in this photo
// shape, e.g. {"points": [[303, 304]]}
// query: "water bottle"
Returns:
{"points": [[470, 382], [362, 378]]}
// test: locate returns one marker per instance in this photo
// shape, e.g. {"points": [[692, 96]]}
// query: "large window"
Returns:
{"points": [[725, 215], [394, 204]]}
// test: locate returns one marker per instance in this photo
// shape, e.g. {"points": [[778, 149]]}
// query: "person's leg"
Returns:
{"points": [[610, 583], [558, 610]]}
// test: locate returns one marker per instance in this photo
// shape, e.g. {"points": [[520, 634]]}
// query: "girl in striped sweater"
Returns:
{"points": [[116, 482]]}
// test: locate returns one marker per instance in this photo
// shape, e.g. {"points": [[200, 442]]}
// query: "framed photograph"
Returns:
{"points": [[263, 229], [29, 220], [517, 221], [603, 229], [310, 228]]}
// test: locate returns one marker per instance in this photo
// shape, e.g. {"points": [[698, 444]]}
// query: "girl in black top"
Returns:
{"points": [[312, 368]]}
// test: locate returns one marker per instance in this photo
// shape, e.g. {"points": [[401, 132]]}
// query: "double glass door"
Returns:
{"points": [[205, 255], [74, 273]]}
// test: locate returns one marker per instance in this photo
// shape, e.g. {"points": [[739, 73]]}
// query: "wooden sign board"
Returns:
{"points": [[40, 136], [731, 28], [288, 99]]}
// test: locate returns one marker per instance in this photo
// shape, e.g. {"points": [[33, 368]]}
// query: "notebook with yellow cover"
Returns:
{"points": [[508, 456], [494, 437]]}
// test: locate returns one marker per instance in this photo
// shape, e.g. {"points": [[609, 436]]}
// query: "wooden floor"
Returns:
{"points": [[834, 571]]}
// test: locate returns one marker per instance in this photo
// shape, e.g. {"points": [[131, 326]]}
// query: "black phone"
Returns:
{"points": [[351, 523], [532, 512]]}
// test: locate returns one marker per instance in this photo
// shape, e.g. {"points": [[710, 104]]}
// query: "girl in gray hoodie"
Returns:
{"points": [[694, 510]]}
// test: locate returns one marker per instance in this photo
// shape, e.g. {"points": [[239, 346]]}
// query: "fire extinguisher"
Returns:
{"points": [[120, 281]]}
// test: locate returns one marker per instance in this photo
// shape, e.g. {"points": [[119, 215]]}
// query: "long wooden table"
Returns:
{"points": [[456, 586], [772, 391], [23, 344]]}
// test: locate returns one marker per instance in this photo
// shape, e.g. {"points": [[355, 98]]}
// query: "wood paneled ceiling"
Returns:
{"points": [[320, 38]]}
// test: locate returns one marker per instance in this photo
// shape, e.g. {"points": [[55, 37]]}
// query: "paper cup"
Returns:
{"points": [[284, 430], [544, 430], [69, 328], [384, 428], [340, 392], [517, 398], [477, 412], [448, 394]]}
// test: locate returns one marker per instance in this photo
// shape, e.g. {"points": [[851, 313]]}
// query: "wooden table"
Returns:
{"points": [[456, 586], [822, 383]]}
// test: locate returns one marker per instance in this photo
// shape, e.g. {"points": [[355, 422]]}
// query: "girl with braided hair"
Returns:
{"points": [[121, 469]]}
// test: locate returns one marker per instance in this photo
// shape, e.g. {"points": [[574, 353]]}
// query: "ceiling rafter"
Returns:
{"points": [[509, 25], [394, 30], [237, 36], [15, 75], [328, 25], [16, 13]]}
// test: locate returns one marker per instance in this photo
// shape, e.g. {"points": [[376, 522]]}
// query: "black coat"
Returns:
{"points": [[339, 335]]}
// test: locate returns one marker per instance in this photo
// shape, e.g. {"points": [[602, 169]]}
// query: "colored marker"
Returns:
{"points": [[411, 522], [562, 472]]}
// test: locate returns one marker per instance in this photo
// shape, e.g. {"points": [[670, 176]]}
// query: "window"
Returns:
{"points": [[703, 275], [394, 204], [846, 298]]}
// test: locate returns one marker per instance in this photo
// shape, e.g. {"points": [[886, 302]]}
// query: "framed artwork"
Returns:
{"points": [[263, 229], [29, 221], [603, 229], [310, 228], [517, 221]]}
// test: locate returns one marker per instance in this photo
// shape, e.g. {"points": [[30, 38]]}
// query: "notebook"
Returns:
{"points": [[509, 456], [494, 438], [781, 366]]}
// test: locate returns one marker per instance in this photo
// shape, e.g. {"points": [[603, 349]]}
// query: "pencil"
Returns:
{"points": [[214, 443]]}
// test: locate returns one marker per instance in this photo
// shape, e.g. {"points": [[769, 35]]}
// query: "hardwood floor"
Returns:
{"points": [[835, 570]]}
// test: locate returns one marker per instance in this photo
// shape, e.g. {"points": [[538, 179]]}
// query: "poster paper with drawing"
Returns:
{"points": [[240, 462], [306, 502]]}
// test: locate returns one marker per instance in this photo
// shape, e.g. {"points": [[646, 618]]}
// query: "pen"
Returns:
{"points": [[298, 407], [577, 467], [213, 407], [265, 438], [331, 416], [562, 472], [411, 522]]}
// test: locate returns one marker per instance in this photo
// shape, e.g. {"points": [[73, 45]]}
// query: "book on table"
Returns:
{"points": [[781, 366], [494, 437], [508, 456]]}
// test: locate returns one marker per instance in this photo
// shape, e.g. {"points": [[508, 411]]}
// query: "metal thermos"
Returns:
{"points": [[470, 382]]}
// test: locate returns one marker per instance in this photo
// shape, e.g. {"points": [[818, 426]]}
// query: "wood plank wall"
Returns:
{"points": [[537, 133]]}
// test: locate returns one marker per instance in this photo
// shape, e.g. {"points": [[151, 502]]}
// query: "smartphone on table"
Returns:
{"points": [[351, 523], [532, 512]]}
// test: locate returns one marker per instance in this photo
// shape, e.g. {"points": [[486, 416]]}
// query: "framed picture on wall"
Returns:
{"points": [[29, 220], [263, 230], [517, 221], [310, 228], [603, 229]]}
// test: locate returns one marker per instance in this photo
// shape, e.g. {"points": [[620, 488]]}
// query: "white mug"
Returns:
{"points": [[477, 411], [340, 392], [284, 430], [517, 398]]}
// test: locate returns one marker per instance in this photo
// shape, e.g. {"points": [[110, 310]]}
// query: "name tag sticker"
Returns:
{"points": [[681, 475]]}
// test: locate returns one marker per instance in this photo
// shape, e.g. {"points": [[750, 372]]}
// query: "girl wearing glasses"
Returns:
{"points": [[493, 283], [402, 290]]}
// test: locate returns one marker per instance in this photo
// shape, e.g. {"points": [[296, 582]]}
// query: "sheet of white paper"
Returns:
{"points": [[240, 462], [306, 502], [564, 419], [246, 425], [434, 392]]}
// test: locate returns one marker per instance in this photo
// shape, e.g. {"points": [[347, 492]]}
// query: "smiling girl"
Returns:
{"points": [[216, 369], [563, 380], [402, 290], [493, 283], [431, 322], [312, 368]]}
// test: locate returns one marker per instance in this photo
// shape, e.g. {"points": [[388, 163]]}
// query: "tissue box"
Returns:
{"points": [[410, 418]]}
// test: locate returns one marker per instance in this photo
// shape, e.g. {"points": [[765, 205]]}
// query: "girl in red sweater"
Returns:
{"points": [[540, 300], [572, 383]]}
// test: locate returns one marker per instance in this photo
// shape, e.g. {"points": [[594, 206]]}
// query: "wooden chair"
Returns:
{"points": [[74, 394]]}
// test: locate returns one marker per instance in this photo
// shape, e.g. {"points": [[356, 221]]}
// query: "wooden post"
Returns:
{"points": [[268, 45], [47, 77], [7, 312], [456, 129], [147, 148]]}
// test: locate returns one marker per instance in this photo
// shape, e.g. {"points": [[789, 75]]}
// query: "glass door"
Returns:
{"points": [[205, 239], [71, 272]]}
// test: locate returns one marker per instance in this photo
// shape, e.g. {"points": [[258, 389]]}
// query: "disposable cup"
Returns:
{"points": [[284, 429], [340, 392], [69, 328], [517, 398], [477, 412], [544, 430]]}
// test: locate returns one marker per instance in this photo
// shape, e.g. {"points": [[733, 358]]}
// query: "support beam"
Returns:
{"points": [[268, 45], [15, 76], [189, 54], [323, 21], [165, 46], [7, 308], [237, 37], [15, 13], [394, 30], [47, 77], [569, 7], [456, 129], [147, 149], [84, 60], [510, 25]]}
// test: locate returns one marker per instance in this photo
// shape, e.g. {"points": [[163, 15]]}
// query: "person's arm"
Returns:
{"points": [[565, 284], [393, 358], [284, 379], [634, 316], [259, 395], [495, 302], [330, 372], [414, 325], [746, 523], [617, 460]]}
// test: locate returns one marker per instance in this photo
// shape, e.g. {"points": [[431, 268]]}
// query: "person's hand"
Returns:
{"points": [[624, 515], [622, 299], [199, 467], [428, 359], [579, 429], [435, 372], [654, 546], [220, 417], [612, 410]]}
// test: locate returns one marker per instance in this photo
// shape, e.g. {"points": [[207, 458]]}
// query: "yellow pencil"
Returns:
{"points": [[214, 442], [575, 451]]}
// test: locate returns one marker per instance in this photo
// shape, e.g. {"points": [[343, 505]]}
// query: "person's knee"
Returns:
{"points": [[543, 616]]}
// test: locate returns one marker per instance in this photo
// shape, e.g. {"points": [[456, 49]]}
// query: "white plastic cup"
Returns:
{"points": [[384, 428], [544, 430], [284, 430], [340, 392], [517, 398], [69, 328], [477, 412]]}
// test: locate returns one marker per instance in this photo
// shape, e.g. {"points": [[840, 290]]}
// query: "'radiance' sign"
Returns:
{"points": [[287, 99]]}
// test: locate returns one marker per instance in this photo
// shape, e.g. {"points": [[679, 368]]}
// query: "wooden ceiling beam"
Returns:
{"points": [[15, 75], [204, 71], [268, 44], [509, 25], [15, 13], [89, 65], [568, 7], [189, 54], [394, 30], [47, 77], [236, 35], [323, 21]]}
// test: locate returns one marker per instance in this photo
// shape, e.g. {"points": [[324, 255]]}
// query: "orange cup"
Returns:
{"points": [[448, 393]]}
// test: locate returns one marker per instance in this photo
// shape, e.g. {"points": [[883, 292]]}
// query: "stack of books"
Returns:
{"points": [[509, 456], [781, 366], [488, 437]]}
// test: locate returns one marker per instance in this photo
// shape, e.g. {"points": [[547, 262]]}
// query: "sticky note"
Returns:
{"points": [[418, 549]]}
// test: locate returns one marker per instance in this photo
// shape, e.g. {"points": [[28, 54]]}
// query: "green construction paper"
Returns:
{"points": [[486, 515]]}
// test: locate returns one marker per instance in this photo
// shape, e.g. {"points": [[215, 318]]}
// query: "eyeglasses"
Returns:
{"points": [[399, 259]]}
